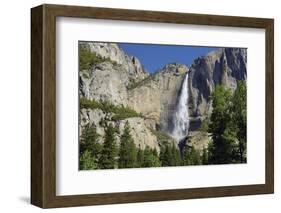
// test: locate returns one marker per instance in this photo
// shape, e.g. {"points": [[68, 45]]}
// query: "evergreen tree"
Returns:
{"points": [[166, 155], [140, 157], [170, 155], [220, 128], [191, 156], [109, 149], [239, 110], [154, 152], [87, 161], [228, 125], [89, 140], [149, 159], [176, 157], [161, 154], [127, 153], [89, 147], [205, 160]]}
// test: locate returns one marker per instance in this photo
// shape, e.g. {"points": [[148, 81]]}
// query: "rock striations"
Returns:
{"points": [[225, 66]]}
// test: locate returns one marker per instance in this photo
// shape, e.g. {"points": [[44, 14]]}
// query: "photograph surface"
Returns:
{"points": [[155, 105]]}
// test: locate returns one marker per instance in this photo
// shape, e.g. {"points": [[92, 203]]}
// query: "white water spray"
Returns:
{"points": [[180, 118]]}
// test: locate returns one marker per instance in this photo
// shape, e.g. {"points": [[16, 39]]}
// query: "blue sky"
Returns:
{"points": [[154, 57]]}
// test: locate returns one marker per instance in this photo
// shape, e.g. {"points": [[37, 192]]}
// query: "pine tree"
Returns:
{"points": [[166, 155], [191, 156], [205, 160], [149, 159], [87, 161], [109, 149], [228, 125], [89, 139], [140, 157], [176, 158], [220, 128], [127, 153], [89, 147], [154, 152], [239, 110]]}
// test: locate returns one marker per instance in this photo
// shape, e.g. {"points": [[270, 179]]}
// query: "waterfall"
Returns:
{"points": [[180, 120]]}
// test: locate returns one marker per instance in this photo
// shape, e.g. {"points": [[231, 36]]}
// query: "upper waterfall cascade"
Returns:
{"points": [[180, 118]]}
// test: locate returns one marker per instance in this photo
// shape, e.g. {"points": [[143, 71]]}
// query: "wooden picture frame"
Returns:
{"points": [[43, 105]]}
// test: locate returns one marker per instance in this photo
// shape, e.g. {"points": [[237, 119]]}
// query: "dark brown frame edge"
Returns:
{"points": [[43, 105]]}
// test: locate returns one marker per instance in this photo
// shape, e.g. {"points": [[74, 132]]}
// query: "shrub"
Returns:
{"points": [[204, 125], [134, 84], [92, 104], [162, 137], [120, 112], [87, 59]]}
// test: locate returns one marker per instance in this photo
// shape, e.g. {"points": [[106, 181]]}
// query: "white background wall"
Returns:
{"points": [[15, 105]]}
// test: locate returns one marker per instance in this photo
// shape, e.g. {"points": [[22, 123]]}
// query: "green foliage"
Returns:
{"points": [[150, 159], [127, 152], [134, 84], [87, 161], [210, 151], [89, 140], [107, 156], [204, 125], [239, 118], [219, 125], [85, 75], [120, 112], [166, 155], [89, 148], [89, 104], [109, 150], [228, 125], [154, 152], [140, 157], [162, 137], [205, 158], [170, 156], [191, 156], [176, 157], [88, 59]]}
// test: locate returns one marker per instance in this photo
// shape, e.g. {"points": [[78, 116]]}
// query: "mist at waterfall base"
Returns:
{"points": [[180, 120]]}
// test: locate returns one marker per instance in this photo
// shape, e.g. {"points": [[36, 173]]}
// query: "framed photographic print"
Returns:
{"points": [[136, 106]]}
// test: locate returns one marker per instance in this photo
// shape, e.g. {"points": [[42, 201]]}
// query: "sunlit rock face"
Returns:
{"points": [[122, 80]]}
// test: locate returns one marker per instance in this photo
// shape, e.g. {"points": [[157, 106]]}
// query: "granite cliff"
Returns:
{"points": [[224, 66], [121, 80]]}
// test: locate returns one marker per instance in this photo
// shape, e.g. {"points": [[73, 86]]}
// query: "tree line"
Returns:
{"points": [[108, 155], [227, 126]]}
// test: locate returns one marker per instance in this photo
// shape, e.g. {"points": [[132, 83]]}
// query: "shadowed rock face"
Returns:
{"points": [[124, 81], [225, 66]]}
